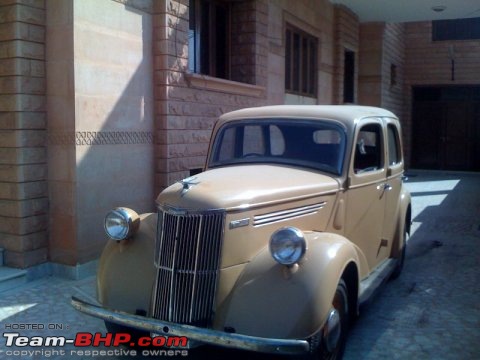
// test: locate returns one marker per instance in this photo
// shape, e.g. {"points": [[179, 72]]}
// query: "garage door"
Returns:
{"points": [[446, 128]]}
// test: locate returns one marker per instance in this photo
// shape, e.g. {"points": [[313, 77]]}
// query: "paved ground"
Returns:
{"points": [[431, 312]]}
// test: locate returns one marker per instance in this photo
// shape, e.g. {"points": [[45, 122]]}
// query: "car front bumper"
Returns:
{"points": [[202, 335]]}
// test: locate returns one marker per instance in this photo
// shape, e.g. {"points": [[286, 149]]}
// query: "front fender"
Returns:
{"points": [[126, 270], [272, 300]]}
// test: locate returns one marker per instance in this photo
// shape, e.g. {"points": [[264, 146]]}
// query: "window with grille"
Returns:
{"points": [[209, 38], [300, 62], [457, 29]]}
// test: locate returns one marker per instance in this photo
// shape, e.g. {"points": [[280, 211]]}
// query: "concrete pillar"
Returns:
{"points": [[100, 120]]}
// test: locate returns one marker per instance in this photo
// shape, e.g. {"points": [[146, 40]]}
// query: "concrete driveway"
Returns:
{"points": [[431, 312]]}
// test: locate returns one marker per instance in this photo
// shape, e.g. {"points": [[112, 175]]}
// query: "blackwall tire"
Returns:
{"points": [[401, 260]]}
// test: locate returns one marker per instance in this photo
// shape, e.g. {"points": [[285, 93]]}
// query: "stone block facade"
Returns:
{"points": [[23, 147], [100, 106], [186, 104]]}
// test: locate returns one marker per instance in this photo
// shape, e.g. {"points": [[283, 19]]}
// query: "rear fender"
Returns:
{"points": [[404, 220]]}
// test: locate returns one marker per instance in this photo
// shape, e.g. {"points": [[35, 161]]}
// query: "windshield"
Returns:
{"points": [[314, 144]]}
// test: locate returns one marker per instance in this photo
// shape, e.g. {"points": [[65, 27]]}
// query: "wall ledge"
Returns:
{"points": [[205, 82]]}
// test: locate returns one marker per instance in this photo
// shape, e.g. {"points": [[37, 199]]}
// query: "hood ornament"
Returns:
{"points": [[187, 183]]}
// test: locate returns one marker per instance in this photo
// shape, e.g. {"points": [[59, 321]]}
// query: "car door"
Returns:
{"points": [[393, 185], [366, 191]]}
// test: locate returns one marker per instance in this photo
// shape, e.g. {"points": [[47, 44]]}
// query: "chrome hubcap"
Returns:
{"points": [[332, 330]]}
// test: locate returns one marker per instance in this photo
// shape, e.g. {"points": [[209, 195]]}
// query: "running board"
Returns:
{"points": [[370, 286]]}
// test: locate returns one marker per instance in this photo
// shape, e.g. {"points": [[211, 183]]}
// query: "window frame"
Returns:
{"points": [[392, 129], [203, 49], [298, 80], [336, 170], [456, 29], [380, 152]]}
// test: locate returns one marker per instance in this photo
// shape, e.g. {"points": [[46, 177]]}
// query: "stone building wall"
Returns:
{"points": [[187, 104], [393, 79], [100, 120], [370, 62], [98, 107], [23, 153], [314, 18], [346, 38], [393, 68], [428, 62]]}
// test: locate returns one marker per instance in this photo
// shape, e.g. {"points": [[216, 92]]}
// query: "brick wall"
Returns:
{"points": [[346, 38], [187, 105], [382, 71], [393, 68], [249, 32], [370, 64], [429, 63], [315, 17], [23, 168]]}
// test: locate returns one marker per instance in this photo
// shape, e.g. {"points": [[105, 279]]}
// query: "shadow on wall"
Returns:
{"points": [[114, 122]]}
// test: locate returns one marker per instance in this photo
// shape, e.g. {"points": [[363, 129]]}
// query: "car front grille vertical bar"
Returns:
{"points": [[187, 257]]}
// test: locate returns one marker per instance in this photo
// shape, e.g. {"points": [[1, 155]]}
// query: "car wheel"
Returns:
{"points": [[401, 260], [329, 343]]}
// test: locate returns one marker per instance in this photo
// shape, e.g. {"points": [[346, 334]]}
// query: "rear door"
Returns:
{"points": [[393, 185]]}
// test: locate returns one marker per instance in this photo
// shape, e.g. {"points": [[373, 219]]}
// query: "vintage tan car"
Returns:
{"points": [[299, 215]]}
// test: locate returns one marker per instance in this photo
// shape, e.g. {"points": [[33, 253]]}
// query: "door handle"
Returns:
{"points": [[384, 187]]}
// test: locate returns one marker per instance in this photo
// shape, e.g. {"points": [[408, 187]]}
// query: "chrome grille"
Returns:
{"points": [[187, 255]]}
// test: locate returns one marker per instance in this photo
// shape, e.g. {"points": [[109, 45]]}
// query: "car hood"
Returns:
{"points": [[246, 187]]}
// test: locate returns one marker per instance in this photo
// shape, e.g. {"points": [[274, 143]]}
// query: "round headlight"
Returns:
{"points": [[121, 223], [288, 245]]}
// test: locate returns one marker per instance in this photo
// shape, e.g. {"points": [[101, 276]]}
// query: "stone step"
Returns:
{"points": [[11, 278]]}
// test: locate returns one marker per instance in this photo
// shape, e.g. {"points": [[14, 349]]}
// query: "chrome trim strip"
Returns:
{"points": [[207, 336], [245, 207], [283, 215]]}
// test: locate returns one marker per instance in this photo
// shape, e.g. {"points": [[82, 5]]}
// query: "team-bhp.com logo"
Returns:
{"points": [[110, 344]]}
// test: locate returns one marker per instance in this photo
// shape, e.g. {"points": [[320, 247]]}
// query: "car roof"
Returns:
{"points": [[347, 114]]}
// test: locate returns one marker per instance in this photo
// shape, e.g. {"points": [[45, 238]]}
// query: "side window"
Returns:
{"points": [[227, 149], [394, 156], [368, 149]]}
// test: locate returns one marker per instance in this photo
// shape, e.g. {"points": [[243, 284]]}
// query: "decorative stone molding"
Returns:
{"points": [[88, 138]]}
